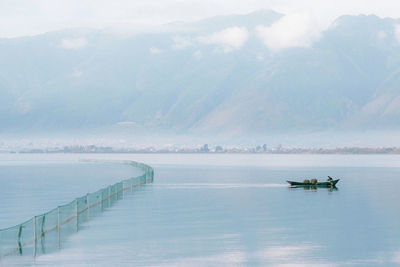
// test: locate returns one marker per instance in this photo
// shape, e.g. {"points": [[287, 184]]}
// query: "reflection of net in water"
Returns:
{"points": [[45, 232]]}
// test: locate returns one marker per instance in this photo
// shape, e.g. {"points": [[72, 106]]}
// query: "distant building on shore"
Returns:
{"points": [[205, 148]]}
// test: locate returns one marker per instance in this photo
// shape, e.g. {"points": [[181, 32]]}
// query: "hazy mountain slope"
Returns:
{"points": [[192, 80]]}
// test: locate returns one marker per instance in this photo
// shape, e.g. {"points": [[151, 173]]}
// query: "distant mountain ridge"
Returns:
{"points": [[212, 76]]}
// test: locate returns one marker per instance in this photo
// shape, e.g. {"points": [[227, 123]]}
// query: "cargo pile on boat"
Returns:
{"points": [[313, 181]]}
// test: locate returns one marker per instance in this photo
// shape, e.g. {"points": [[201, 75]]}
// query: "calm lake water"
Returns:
{"points": [[212, 210]]}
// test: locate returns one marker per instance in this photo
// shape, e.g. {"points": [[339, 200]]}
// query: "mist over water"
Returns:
{"points": [[236, 210], [166, 139]]}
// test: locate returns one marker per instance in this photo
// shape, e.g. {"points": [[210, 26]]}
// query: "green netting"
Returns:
{"points": [[95, 203], [113, 194], [27, 237], [68, 221], [10, 240], [82, 208], [105, 198], [46, 232], [120, 190], [126, 184]]}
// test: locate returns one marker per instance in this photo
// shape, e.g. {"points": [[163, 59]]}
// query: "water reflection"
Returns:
{"points": [[315, 188]]}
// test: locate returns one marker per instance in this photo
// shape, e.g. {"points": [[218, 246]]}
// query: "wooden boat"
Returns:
{"points": [[329, 183]]}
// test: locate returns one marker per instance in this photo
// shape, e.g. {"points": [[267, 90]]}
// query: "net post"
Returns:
{"points": [[19, 239], [101, 201], [88, 206], [34, 236], [109, 192], [58, 227], [77, 214]]}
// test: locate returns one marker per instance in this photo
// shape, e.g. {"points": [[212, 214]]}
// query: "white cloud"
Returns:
{"points": [[229, 39], [181, 42], [41, 16], [381, 35], [396, 257], [284, 252], [126, 123], [397, 32], [77, 43], [24, 107], [290, 255], [198, 55], [290, 31], [155, 50], [77, 74]]}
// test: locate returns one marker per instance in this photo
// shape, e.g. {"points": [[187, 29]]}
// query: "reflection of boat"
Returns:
{"points": [[329, 183]]}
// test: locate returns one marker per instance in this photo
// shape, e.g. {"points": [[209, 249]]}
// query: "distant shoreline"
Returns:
{"points": [[247, 150]]}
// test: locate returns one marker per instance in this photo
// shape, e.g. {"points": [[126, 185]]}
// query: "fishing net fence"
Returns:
{"points": [[47, 231]]}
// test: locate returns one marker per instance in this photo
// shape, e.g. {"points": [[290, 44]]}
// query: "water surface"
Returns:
{"points": [[236, 210]]}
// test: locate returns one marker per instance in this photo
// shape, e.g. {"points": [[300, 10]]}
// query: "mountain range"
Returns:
{"points": [[232, 75]]}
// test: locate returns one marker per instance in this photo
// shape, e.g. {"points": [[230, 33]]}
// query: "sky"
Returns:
{"points": [[32, 17]]}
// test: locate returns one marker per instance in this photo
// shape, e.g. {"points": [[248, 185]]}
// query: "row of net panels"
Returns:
{"points": [[44, 233]]}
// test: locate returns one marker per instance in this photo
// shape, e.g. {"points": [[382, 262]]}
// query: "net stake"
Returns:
{"points": [[58, 227]]}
